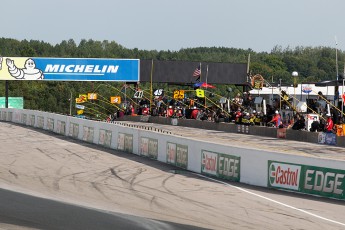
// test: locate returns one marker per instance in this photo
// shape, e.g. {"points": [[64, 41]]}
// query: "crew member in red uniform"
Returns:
{"points": [[145, 110], [329, 124], [170, 111], [276, 119], [194, 113], [238, 116]]}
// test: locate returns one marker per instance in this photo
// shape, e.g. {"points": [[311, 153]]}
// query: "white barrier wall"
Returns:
{"points": [[247, 165]]}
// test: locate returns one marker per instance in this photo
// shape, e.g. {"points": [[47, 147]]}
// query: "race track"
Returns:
{"points": [[46, 165]]}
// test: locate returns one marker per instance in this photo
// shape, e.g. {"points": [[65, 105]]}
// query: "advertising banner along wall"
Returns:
{"points": [[320, 181], [69, 69], [220, 165]]}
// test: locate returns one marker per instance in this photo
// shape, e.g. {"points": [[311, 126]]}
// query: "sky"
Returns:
{"points": [[172, 25]]}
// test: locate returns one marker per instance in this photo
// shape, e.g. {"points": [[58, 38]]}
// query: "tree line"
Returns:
{"points": [[313, 64]]}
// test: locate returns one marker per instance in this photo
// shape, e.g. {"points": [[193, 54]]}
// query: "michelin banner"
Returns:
{"points": [[69, 69]]}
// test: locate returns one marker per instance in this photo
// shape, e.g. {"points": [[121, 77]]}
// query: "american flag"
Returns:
{"points": [[197, 72]]}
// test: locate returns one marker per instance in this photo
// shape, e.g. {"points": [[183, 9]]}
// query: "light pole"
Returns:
{"points": [[229, 89], [342, 98], [70, 104], [336, 88], [294, 75], [280, 98]]}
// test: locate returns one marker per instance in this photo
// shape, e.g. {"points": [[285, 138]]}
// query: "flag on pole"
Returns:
{"points": [[206, 73], [197, 73]]}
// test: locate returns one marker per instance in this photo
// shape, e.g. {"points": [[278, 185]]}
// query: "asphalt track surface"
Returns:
{"points": [[48, 181]]}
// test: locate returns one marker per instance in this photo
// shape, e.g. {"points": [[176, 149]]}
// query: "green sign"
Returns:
{"points": [[323, 181], [228, 167], [326, 182], [13, 102], [177, 154], [182, 156], [220, 165]]}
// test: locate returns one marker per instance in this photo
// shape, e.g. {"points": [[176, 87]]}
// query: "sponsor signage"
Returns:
{"points": [[125, 142], [10, 116], [307, 179], [182, 156], [306, 88], [281, 133], [32, 120], [40, 122], [327, 138], [69, 69], [61, 127], [50, 124], [153, 148], [177, 154], [129, 143], [144, 146], [3, 115], [74, 130], [24, 117], [324, 182], [79, 106], [228, 167], [209, 162], [105, 137], [284, 175], [221, 165], [88, 133], [171, 153], [149, 147]]}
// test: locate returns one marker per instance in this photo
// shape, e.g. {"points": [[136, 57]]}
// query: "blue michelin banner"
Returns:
{"points": [[69, 69]]}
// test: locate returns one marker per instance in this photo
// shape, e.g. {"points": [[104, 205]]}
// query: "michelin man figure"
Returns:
{"points": [[29, 72]]}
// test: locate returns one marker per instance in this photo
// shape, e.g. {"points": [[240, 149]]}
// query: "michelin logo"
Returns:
{"points": [[29, 72], [81, 69]]}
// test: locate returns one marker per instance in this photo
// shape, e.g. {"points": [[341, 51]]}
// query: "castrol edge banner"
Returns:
{"points": [[283, 175], [221, 165], [209, 162], [325, 182]]}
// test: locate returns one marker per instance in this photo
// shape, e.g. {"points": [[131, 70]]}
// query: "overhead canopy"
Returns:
{"points": [[330, 83]]}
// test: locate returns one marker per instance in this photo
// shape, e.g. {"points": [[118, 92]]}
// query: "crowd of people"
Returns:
{"points": [[241, 111]]}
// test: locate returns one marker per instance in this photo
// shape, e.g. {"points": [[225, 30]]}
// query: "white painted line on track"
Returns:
{"points": [[269, 199]]}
